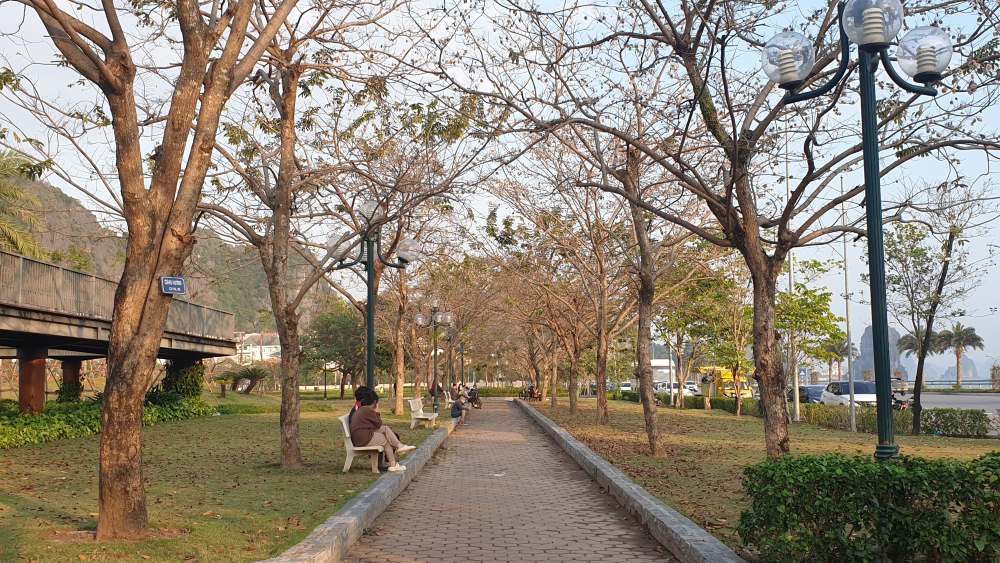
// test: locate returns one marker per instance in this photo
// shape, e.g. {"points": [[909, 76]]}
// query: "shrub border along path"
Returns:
{"points": [[682, 537], [330, 541]]}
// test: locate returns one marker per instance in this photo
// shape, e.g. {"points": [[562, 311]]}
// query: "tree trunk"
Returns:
{"points": [[574, 366], [399, 354], [554, 394], [291, 454], [251, 386], [768, 369], [925, 346], [602, 362], [644, 337], [644, 366], [343, 383], [958, 367], [139, 318], [739, 390], [681, 375], [121, 489]]}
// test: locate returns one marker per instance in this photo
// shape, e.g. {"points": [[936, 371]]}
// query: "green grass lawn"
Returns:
{"points": [[699, 468], [213, 483]]}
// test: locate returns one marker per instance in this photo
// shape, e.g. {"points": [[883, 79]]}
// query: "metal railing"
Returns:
{"points": [[32, 284]]}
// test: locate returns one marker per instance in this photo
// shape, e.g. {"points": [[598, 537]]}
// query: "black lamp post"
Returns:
{"points": [[461, 358], [407, 251], [436, 319], [923, 53]]}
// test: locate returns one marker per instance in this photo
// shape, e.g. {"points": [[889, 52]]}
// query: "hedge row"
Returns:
{"points": [[839, 508], [964, 423], [74, 420]]}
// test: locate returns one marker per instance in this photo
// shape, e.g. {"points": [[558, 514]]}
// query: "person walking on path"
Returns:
{"points": [[367, 430]]}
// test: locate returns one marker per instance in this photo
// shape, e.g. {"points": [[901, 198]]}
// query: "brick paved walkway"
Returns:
{"points": [[500, 490]]}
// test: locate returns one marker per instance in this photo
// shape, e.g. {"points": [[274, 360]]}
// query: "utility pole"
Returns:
{"points": [[791, 290], [847, 320]]}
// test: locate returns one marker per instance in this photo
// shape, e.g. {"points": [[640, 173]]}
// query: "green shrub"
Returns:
{"points": [[507, 392], [838, 508], [75, 420], [185, 381], [966, 423], [957, 422]]}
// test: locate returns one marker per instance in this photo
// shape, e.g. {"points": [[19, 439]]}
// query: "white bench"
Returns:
{"points": [[417, 414], [352, 450]]}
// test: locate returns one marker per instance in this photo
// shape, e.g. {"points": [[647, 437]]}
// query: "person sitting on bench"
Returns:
{"points": [[458, 409], [367, 430]]}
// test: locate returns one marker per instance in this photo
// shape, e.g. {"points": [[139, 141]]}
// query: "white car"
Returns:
{"points": [[625, 386], [690, 389], [838, 393]]}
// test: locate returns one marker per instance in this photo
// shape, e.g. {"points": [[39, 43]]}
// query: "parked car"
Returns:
{"points": [[690, 389], [625, 386], [808, 393], [838, 393], [693, 389]]}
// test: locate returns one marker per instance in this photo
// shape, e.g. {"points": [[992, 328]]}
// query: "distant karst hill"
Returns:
{"points": [[221, 275]]}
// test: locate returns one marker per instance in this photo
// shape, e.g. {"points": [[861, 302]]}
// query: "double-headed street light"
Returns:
{"points": [[924, 54], [407, 252], [437, 318]]}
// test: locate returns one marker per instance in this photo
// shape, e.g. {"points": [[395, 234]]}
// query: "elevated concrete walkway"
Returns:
{"points": [[47, 311]]}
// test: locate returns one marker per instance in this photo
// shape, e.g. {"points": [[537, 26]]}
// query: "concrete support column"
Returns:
{"points": [[71, 373], [31, 379]]}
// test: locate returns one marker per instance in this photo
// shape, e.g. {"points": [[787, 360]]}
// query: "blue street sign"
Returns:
{"points": [[173, 285]]}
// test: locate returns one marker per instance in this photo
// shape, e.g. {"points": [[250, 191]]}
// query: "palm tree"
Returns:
{"points": [[836, 350], [909, 344], [16, 220], [958, 338]]}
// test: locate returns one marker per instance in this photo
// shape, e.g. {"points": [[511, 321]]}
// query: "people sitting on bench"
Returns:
{"points": [[458, 409], [358, 393], [367, 430]]}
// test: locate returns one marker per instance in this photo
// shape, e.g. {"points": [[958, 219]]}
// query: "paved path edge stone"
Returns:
{"points": [[682, 537], [329, 542]]}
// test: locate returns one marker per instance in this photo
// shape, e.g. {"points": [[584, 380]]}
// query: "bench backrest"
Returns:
{"points": [[347, 431], [417, 406]]}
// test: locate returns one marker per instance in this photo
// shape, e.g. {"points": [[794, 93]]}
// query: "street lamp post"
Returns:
{"points": [[461, 358], [923, 53], [407, 251], [436, 319]]}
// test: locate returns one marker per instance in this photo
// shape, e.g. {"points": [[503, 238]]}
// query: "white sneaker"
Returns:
{"points": [[397, 468], [405, 449]]}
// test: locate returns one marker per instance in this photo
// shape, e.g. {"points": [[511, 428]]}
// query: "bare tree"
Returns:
{"points": [[157, 195], [715, 121]]}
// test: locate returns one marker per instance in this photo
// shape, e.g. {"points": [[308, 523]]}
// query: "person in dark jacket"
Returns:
{"points": [[367, 430], [360, 392]]}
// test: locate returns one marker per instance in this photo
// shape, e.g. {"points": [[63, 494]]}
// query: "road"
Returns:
{"points": [[989, 402]]}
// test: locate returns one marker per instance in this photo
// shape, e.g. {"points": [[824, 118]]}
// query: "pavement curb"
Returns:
{"points": [[329, 542], [683, 538]]}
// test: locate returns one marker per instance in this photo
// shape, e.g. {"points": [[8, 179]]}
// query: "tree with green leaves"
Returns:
{"points": [[959, 338], [16, 216], [336, 335], [805, 316], [927, 277]]}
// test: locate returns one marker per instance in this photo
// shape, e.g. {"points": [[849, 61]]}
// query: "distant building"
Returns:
{"points": [[664, 363], [257, 347]]}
